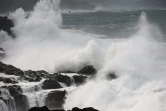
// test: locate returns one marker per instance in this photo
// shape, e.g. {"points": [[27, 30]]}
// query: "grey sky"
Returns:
{"points": [[8, 5], [131, 3]]}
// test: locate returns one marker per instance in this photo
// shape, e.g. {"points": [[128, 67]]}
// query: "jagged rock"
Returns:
{"points": [[56, 99], [79, 79], [51, 84], [42, 73], [88, 109], [21, 102], [6, 24], [61, 78], [13, 90], [44, 108], [32, 76], [88, 70], [8, 80], [66, 71], [10, 70], [64, 79]]}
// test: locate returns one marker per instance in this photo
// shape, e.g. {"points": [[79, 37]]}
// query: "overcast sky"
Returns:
{"points": [[131, 3], [8, 5]]}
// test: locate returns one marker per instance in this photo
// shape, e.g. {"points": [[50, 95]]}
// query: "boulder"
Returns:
{"points": [[61, 78], [51, 84], [10, 70], [64, 79], [56, 99], [32, 76], [79, 79], [8, 80], [88, 70], [6, 24], [13, 90], [44, 108]]}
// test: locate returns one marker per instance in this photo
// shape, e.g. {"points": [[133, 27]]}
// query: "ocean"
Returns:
{"points": [[130, 44], [117, 24]]}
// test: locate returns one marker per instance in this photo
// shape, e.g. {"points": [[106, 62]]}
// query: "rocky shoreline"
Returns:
{"points": [[19, 89]]}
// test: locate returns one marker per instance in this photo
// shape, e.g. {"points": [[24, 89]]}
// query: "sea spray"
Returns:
{"points": [[140, 84], [41, 44]]}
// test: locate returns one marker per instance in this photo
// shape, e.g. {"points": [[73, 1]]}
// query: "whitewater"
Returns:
{"points": [[139, 61]]}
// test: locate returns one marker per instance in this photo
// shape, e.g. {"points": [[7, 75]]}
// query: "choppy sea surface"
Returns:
{"points": [[118, 24], [133, 49]]}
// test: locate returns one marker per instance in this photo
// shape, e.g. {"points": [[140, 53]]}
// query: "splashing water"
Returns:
{"points": [[139, 61], [41, 44], [140, 84]]}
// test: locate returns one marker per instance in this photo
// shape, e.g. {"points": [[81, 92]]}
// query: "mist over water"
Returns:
{"points": [[140, 69], [138, 60]]}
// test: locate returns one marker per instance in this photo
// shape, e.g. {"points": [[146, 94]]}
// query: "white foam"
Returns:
{"points": [[139, 62], [141, 79]]}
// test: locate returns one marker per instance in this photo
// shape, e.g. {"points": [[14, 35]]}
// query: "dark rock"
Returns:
{"points": [[13, 90], [42, 73], [51, 84], [44, 108], [56, 99], [10, 70], [21, 103], [8, 80], [88, 70], [66, 72], [6, 24], [61, 78], [64, 79], [32, 76], [79, 79], [111, 76], [89, 109]]}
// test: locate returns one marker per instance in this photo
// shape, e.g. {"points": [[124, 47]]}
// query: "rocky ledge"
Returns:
{"points": [[21, 90], [74, 109]]}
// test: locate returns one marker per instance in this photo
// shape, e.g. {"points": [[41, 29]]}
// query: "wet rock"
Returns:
{"points": [[42, 73], [64, 79], [10, 70], [8, 80], [88, 70], [56, 99], [79, 79], [32, 76], [66, 72], [21, 103], [61, 78], [6, 24], [44, 108], [13, 90], [88, 109], [51, 84]]}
